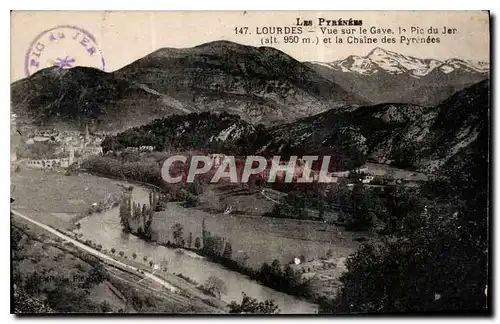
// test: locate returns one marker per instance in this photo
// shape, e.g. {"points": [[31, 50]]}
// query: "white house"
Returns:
{"points": [[147, 148], [367, 179]]}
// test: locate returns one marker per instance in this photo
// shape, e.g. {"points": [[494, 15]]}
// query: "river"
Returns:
{"points": [[105, 229]]}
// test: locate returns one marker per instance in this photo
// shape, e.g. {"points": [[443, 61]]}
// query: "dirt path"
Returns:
{"points": [[96, 253]]}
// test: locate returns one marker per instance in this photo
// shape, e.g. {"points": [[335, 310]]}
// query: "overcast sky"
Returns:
{"points": [[123, 37]]}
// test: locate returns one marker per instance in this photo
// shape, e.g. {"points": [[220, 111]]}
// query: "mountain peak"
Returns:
{"points": [[377, 51], [222, 48], [381, 60], [221, 43]]}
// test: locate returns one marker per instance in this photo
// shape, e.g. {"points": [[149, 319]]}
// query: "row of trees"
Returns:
{"points": [[147, 172], [358, 208], [141, 216], [219, 250]]}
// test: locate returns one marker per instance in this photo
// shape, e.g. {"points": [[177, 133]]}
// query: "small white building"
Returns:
{"points": [[342, 174], [40, 139], [93, 150], [367, 179], [146, 148]]}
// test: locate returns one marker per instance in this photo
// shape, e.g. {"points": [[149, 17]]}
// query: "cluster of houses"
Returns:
{"points": [[52, 163], [69, 147]]}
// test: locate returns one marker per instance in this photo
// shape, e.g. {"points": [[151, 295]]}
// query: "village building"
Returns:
{"points": [[83, 145], [146, 148], [52, 163]]}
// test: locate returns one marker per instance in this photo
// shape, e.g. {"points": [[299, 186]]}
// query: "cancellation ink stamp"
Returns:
{"points": [[64, 46]]}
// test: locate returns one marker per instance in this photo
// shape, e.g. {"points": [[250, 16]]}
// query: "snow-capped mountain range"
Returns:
{"points": [[380, 60]]}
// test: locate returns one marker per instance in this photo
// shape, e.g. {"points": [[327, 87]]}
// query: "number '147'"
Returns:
{"points": [[241, 30]]}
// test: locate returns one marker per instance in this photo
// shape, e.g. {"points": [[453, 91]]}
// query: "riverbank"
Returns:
{"points": [[184, 286], [42, 194], [258, 242], [230, 248], [116, 278], [105, 229], [281, 278]]}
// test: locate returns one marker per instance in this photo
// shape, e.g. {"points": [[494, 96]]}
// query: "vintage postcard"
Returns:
{"points": [[250, 162]]}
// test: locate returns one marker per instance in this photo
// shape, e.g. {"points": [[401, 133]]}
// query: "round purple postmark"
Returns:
{"points": [[64, 46]]}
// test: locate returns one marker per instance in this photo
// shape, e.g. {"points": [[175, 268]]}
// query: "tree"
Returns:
{"points": [[250, 305], [204, 232], [432, 260], [138, 211], [113, 250], [190, 240], [340, 195], [197, 243], [145, 214], [321, 212], [145, 258], [148, 232], [228, 251], [215, 286], [106, 307], [96, 275], [191, 200], [121, 253], [177, 233], [244, 259], [218, 246], [151, 263], [164, 265], [33, 284], [134, 255], [195, 188], [360, 217], [291, 279], [125, 214], [404, 209]]}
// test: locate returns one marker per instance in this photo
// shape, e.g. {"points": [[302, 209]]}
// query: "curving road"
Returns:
{"points": [[96, 253]]}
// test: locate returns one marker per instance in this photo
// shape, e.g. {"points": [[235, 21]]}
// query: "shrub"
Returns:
{"points": [[191, 201], [215, 286], [250, 305]]}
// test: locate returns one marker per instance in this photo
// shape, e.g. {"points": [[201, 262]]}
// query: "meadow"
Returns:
{"points": [[259, 239], [57, 199]]}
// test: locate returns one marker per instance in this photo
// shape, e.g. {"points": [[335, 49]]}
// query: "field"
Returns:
{"points": [[262, 239], [56, 199], [377, 169]]}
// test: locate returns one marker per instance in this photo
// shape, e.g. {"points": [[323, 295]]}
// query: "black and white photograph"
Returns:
{"points": [[250, 162]]}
